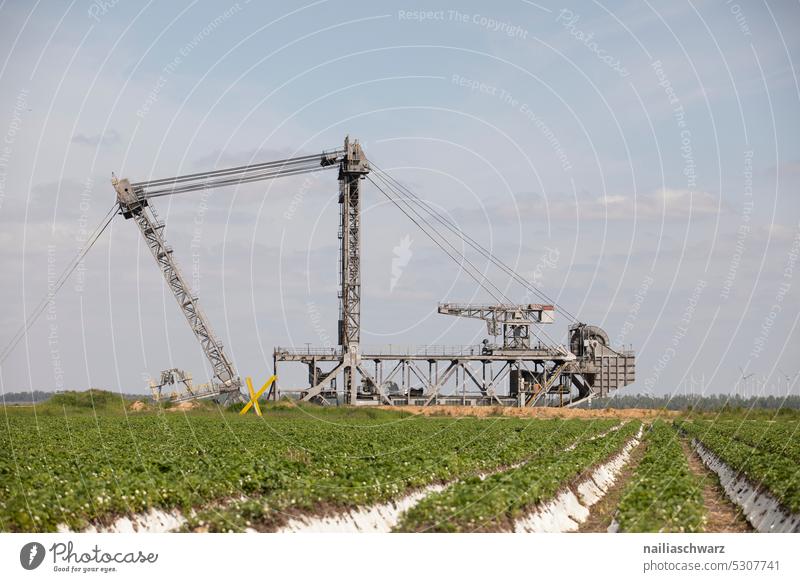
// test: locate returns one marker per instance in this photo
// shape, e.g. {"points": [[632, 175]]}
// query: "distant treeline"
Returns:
{"points": [[677, 402], [694, 402], [36, 396], [26, 397]]}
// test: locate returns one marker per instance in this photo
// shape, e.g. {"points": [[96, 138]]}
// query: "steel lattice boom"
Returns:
{"points": [[134, 202], [517, 372]]}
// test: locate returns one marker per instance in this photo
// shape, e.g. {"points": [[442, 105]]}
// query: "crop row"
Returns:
{"points": [[762, 464], [495, 502], [663, 494], [75, 470], [530, 438], [779, 437]]}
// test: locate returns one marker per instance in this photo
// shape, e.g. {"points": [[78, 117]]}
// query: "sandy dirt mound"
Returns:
{"points": [[138, 406], [533, 412], [187, 405]]}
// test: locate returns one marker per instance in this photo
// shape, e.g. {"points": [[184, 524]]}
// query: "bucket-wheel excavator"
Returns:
{"points": [[525, 368]]}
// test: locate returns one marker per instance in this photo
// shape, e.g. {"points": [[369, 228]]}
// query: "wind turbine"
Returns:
{"points": [[744, 379], [789, 379]]}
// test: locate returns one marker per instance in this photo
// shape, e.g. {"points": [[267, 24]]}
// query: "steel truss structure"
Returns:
{"points": [[467, 375], [515, 372], [134, 202]]}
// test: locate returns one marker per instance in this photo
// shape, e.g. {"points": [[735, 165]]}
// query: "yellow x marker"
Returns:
{"points": [[255, 395]]}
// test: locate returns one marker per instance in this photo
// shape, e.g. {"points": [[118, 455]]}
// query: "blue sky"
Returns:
{"points": [[641, 160]]}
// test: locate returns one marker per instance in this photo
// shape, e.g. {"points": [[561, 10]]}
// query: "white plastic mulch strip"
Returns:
{"points": [[383, 517], [762, 510], [595, 437], [153, 521], [376, 518], [570, 508]]}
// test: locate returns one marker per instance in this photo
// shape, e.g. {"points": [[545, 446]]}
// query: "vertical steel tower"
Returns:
{"points": [[352, 169]]}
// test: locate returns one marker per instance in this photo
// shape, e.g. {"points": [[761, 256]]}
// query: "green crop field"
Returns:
{"points": [[494, 502], [74, 469], [766, 452], [663, 494], [86, 459]]}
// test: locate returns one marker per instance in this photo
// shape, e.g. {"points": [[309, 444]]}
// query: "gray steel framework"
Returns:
{"points": [[352, 168], [512, 321], [470, 375], [134, 202], [513, 373], [152, 231]]}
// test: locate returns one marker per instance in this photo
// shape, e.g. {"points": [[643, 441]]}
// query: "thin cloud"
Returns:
{"points": [[667, 204], [109, 138]]}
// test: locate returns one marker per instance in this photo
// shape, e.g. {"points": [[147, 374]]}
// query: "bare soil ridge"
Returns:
{"points": [[543, 412], [602, 514], [722, 516]]}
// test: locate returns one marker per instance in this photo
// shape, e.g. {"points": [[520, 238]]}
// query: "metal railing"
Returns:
{"points": [[406, 350], [426, 350], [309, 351]]}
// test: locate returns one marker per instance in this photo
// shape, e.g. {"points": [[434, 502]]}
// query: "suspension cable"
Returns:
{"points": [[445, 221], [478, 278], [234, 181], [237, 169], [457, 231], [93, 238]]}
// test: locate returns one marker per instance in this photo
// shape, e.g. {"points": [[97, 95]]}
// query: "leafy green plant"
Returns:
{"points": [[663, 494], [77, 469], [767, 453], [494, 502]]}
